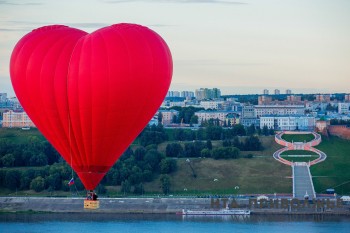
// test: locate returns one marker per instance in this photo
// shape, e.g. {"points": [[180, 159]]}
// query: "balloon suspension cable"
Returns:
{"points": [[70, 146]]}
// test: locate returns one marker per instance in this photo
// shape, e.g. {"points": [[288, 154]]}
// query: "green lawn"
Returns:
{"points": [[300, 159], [298, 152], [334, 172], [298, 137]]}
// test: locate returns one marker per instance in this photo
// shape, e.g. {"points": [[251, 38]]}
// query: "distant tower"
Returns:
{"points": [[288, 92], [266, 92], [277, 92]]}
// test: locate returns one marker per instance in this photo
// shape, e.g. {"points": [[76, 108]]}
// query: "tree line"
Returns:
{"points": [[46, 170]]}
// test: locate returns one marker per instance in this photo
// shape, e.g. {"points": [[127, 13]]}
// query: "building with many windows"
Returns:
{"points": [[264, 99], [187, 94], [343, 108], [212, 104], [248, 115], [265, 92], [206, 93], [288, 122], [277, 92], [347, 98], [223, 116], [262, 110], [167, 116], [173, 94], [288, 92], [12, 119], [323, 98]]}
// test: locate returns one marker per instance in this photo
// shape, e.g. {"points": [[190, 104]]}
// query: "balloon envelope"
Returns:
{"points": [[91, 94]]}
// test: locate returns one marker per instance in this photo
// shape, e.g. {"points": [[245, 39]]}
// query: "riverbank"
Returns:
{"points": [[151, 206]]}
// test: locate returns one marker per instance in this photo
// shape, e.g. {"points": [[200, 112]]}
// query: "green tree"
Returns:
{"points": [[165, 184], [225, 153], [140, 153], [38, 160], [209, 144], [251, 130], [160, 118], [38, 184], [12, 179], [206, 153], [8, 160], [174, 150], [168, 166], [153, 158], [53, 181], [101, 189], [194, 120], [126, 187], [200, 134], [265, 130], [252, 143], [139, 189]]}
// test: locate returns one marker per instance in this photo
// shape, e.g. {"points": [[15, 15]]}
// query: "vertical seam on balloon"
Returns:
{"points": [[81, 146], [40, 83], [68, 109], [77, 126], [151, 91], [106, 110], [44, 112], [88, 150], [127, 49]]}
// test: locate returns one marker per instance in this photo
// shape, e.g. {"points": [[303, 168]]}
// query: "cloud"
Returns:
{"points": [[20, 3], [177, 1], [15, 29], [212, 62], [87, 25]]}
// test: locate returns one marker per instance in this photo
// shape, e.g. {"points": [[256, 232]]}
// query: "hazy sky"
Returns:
{"points": [[238, 46]]}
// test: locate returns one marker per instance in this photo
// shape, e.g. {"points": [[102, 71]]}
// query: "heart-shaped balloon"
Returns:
{"points": [[91, 94]]}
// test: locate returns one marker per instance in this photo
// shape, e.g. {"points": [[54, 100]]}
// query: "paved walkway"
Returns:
{"points": [[302, 179], [302, 182]]}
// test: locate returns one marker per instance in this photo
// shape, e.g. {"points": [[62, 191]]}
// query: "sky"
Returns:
{"points": [[239, 46]]}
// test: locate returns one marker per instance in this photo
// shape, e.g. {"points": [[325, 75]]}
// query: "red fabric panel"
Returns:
{"points": [[91, 94]]}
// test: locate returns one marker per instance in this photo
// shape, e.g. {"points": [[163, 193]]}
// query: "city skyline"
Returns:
{"points": [[240, 47]]}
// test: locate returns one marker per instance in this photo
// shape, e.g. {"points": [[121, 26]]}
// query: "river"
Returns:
{"points": [[130, 223]]}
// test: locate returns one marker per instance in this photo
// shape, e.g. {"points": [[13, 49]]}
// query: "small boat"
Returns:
{"points": [[215, 212]]}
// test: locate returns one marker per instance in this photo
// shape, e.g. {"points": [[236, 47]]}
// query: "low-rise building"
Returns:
{"points": [[211, 104], [262, 110], [167, 116], [288, 122], [223, 116], [12, 119]]}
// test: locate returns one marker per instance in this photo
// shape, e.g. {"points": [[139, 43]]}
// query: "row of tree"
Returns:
{"points": [[35, 152], [131, 171]]}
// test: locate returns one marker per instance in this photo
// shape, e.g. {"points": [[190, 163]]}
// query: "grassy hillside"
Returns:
{"points": [[334, 172], [257, 175], [260, 174]]}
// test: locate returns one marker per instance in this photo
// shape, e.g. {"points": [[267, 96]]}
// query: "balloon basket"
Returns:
{"points": [[91, 204]]}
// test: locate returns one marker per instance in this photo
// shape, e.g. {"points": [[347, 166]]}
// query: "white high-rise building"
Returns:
{"points": [[266, 92]]}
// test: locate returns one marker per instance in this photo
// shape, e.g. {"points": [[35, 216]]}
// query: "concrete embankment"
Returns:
{"points": [[148, 206]]}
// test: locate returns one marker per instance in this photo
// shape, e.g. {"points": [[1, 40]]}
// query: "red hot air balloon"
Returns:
{"points": [[91, 94]]}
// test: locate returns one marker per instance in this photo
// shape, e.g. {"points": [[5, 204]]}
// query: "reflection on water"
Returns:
{"points": [[166, 223]]}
